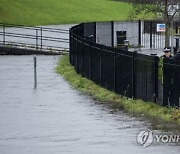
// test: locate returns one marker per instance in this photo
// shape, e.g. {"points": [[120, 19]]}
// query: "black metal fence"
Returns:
{"points": [[171, 82], [38, 38], [130, 74], [139, 33]]}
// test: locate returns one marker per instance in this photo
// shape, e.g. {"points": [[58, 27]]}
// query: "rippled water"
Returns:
{"points": [[55, 118]]}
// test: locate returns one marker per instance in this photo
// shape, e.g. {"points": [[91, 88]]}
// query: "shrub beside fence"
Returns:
{"points": [[127, 73]]}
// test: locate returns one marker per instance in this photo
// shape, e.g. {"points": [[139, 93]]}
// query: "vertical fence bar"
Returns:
{"points": [[41, 38], [156, 74], [172, 36], [133, 75], [77, 54], [112, 33], [115, 54], [151, 34], [4, 34], [177, 40], [71, 47], [35, 73], [139, 33], [90, 62], [36, 39], [101, 65], [94, 32], [158, 38], [82, 58], [146, 80], [154, 39]]}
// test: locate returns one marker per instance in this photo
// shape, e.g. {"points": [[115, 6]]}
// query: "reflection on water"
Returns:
{"points": [[55, 118]]}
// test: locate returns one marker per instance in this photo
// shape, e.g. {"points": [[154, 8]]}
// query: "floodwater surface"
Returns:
{"points": [[54, 118]]}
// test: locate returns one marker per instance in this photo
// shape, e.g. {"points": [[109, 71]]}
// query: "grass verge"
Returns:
{"points": [[48, 12], [134, 107]]}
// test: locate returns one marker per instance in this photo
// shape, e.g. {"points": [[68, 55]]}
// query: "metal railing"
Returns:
{"points": [[38, 38], [127, 73]]}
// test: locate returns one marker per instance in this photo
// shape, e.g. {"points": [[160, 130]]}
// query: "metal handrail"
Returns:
{"points": [[39, 37], [33, 46], [34, 36], [34, 27]]}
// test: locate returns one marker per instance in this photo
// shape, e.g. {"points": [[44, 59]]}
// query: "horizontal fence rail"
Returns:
{"points": [[130, 74], [38, 38]]}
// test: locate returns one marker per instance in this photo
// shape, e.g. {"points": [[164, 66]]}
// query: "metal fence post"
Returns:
{"points": [[35, 73], [112, 33], [115, 54], [177, 39], [156, 74], [41, 37], [77, 56], [94, 32], [133, 74], [151, 31], [82, 58], [4, 34], [101, 65], [90, 62], [36, 39], [139, 31], [71, 48]]}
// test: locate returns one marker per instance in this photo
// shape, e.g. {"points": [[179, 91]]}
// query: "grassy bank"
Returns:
{"points": [[45, 12], [134, 107]]}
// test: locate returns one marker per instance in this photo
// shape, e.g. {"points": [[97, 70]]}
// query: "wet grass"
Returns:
{"points": [[46, 12], [159, 114]]}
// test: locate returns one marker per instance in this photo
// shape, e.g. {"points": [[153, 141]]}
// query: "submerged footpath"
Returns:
{"points": [[162, 117], [55, 118]]}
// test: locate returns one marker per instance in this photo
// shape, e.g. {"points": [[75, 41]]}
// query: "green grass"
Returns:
{"points": [[151, 110], [46, 12]]}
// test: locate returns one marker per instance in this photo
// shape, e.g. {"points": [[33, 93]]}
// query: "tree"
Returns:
{"points": [[167, 9]]}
